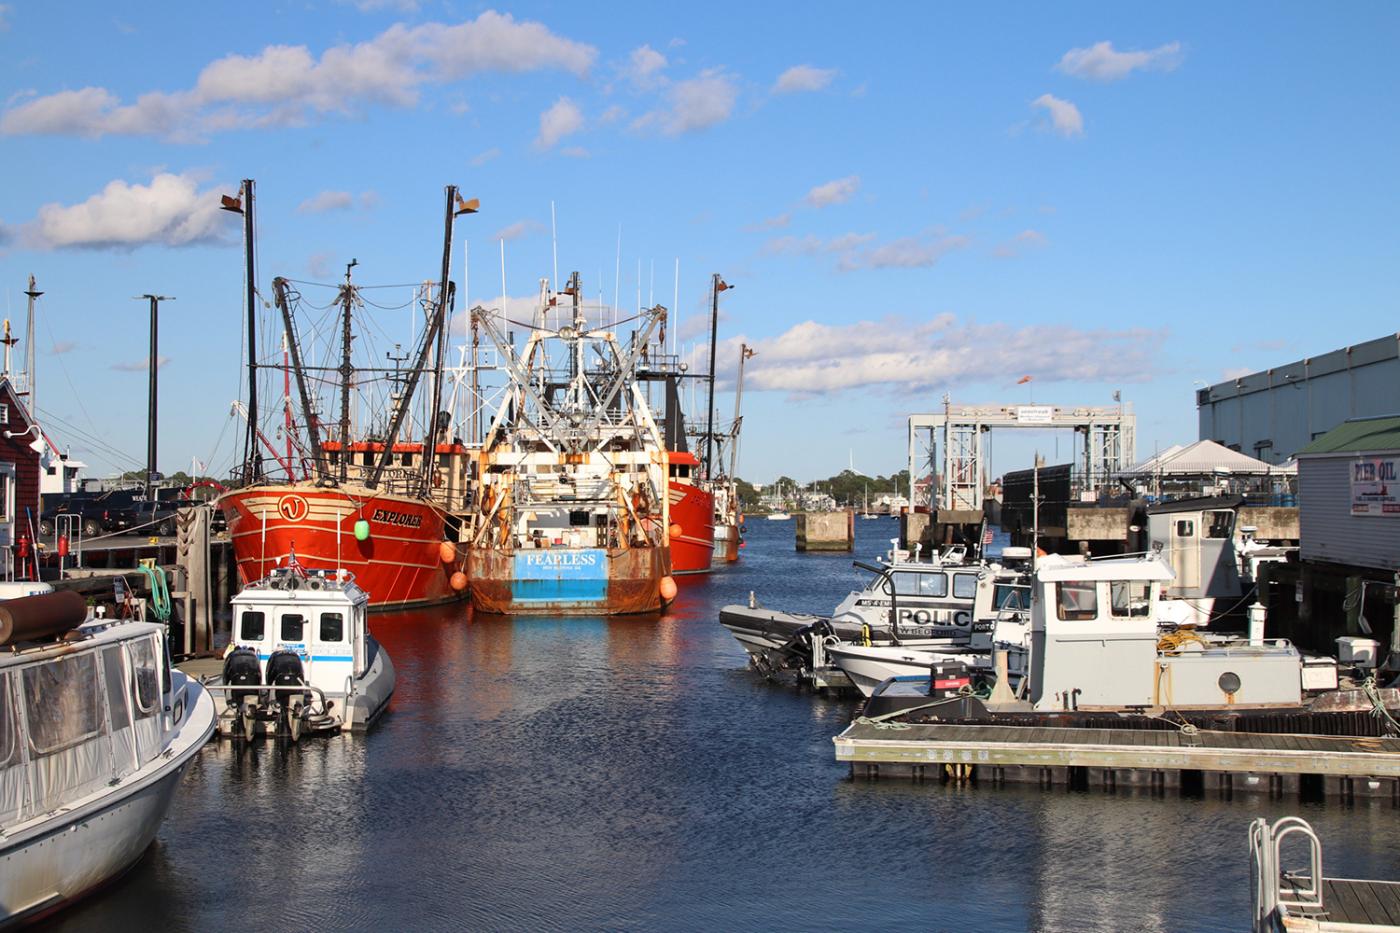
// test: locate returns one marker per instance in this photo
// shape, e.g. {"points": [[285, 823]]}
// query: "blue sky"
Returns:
{"points": [[913, 200]]}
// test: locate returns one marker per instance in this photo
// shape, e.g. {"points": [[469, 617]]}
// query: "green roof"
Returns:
{"points": [[1357, 435]]}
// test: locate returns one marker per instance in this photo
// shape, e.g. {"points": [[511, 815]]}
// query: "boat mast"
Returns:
{"points": [[347, 370], [455, 207], [717, 285], [744, 353], [313, 425], [252, 470]]}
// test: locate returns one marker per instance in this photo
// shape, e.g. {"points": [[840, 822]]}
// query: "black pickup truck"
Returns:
{"points": [[114, 512]]}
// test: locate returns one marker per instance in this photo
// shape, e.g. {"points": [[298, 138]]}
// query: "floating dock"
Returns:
{"points": [[1226, 762]]}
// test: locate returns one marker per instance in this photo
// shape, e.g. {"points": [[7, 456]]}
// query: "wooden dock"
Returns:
{"points": [[1226, 762]]}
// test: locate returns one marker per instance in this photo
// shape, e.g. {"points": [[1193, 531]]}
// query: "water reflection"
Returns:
{"points": [[581, 773]]}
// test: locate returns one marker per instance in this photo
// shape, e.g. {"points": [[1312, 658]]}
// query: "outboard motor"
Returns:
{"points": [[284, 669], [241, 670]]}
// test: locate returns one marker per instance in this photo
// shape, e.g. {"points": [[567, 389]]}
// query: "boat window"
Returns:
{"points": [[1077, 602], [293, 626], [332, 626], [407, 459], [115, 674], [9, 748], [909, 583], [1130, 599], [964, 585], [145, 679], [1005, 596], [1221, 524], [252, 627], [63, 702], [1185, 528]]}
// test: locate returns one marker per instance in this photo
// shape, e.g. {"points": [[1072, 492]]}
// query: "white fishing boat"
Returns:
{"points": [[96, 728], [907, 602], [302, 658]]}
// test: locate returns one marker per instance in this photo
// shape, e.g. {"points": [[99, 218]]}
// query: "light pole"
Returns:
{"points": [[153, 365], [718, 285]]}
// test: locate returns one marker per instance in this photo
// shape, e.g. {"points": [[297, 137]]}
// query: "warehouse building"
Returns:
{"points": [[1274, 414]]}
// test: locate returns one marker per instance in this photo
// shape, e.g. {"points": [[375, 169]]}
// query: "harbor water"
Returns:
{"points": [[633, 773]]}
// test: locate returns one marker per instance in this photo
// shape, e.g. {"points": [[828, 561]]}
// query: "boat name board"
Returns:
{"points": [[399, 519], [555, 560]]}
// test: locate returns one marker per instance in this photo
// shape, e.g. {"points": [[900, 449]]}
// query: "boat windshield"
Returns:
{"points": [[1007, 596], [914, 583]]}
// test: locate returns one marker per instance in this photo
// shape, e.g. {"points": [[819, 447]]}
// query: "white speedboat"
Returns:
{"points": [[868, 666], [302, 658], [778, 516], [95, 729]]}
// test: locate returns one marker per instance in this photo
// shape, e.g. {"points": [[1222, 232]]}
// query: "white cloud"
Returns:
{"points": [[140, 366], [814, 245], [327, 201], [1101, 62], [286, 84], [61, 347], [482, 158], [575, 152], [517, 230], [644, 66], [833, 192], [560, 120], [170, 211], [904, 253], [771, 223], [5, 11], [1064, 116], [320, 265], [803, 78], [904, 355], [1021, 242], [695, 104]]}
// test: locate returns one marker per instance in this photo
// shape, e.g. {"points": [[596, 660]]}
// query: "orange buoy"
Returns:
{"points": [[459, 581], [668, 589], [676, 529], [447, 551]]}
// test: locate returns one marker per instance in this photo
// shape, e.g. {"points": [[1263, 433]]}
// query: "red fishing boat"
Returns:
{"points": [[692, 515], [388, 510]]}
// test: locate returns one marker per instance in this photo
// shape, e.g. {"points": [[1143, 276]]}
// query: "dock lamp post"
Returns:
{"points": [[718, 284], [153, 365]]}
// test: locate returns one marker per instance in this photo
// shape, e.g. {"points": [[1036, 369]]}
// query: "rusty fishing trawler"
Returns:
{"points": [[384, 499], [571, 513]]}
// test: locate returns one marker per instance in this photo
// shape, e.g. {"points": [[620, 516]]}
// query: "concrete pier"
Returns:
{"points": [[826, 531]]}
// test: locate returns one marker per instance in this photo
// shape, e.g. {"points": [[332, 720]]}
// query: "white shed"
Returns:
{"points": [[1349, 495]]}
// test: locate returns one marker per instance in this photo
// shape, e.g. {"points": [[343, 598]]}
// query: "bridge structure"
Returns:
{"points": [[1107, 435]]}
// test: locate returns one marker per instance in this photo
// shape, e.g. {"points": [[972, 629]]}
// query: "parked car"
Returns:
{"points": [[96, 514]]}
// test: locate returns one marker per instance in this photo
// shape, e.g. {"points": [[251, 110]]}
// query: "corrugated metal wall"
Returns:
{"points": [[1329, 531], [1288, 406]]}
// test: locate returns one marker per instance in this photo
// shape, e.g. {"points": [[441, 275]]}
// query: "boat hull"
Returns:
{"points": [[399, 565], [568, 581], [693, 514], [75, 852], [868, 667]]}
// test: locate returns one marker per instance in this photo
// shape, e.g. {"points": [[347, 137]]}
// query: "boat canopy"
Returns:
{"points": [[1054, 568], [77, 717]]}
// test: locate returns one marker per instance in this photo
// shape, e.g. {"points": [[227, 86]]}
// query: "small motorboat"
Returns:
{"points": [[778, 516], [302, 659], [96, 728]]}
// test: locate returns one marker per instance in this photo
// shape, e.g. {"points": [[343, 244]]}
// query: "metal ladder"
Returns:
{"points": [[1269, 899]]}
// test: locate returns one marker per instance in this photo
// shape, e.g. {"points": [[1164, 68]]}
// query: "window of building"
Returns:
{"points": [[4, 414], [1130, 599], [52, 471], [1076, 601]]}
